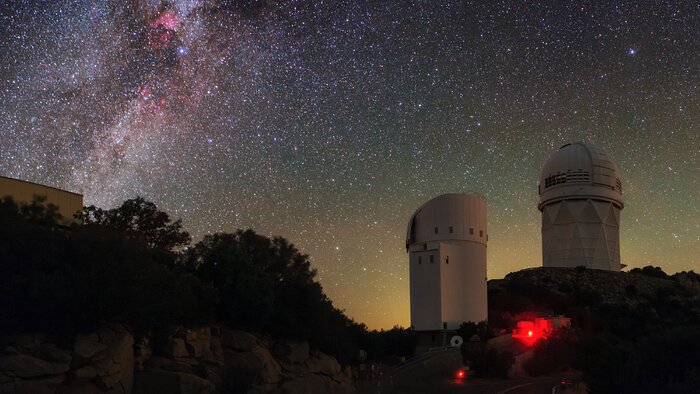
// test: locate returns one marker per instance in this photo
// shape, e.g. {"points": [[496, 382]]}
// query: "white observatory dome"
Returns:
{"points": [[446, 240], [580, 170], [449, 216], [580, 200]]}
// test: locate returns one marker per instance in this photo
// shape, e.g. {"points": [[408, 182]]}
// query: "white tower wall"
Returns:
{"points": [[451, 288], [580, 200]]}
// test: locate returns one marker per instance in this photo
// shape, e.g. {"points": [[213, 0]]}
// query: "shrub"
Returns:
{"points": [[85, 275]]}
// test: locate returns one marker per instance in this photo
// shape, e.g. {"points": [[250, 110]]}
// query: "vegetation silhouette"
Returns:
{"points": [[134, 265], [636, 332]]}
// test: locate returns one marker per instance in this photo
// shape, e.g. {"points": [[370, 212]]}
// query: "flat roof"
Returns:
{"points": [[39, 184]]}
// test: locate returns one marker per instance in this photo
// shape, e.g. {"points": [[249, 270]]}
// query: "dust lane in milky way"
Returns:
{"points": [[328, 123]]}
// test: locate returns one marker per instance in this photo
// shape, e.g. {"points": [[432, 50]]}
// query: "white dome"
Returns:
{"points": [[453, 216], [579, 171]]}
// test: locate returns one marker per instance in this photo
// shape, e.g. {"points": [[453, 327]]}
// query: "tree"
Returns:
{"points": [[650, 270], [244, 289], [85, 275], [140, 219]]}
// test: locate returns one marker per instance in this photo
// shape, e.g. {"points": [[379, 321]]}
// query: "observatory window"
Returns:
{"points": [[452, 230], [571, 176], [432, 259], [436, 230], [471, 231]]}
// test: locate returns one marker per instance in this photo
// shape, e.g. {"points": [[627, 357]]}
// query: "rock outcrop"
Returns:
{"points": [[190, 361], [99, 362]]}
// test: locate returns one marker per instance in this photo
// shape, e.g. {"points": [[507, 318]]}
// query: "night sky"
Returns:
{"points": [[329, 124]]}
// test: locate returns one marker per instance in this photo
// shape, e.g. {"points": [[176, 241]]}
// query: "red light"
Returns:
{"points": [[527, 333], [460, 374]]}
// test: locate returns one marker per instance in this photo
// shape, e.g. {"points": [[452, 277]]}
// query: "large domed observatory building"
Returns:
{"points": [[580, 200], [446, 242]]}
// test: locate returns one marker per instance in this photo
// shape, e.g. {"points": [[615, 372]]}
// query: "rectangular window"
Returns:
{"points": [[436, 231], [481, 233], [471, 231], [431, 259], [452, 229], [447, 260], [425, 246], [420, 259]]}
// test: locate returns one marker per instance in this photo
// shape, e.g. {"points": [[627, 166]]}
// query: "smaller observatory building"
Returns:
{"points": [[23, 192], [580, 200], [446, 242]]}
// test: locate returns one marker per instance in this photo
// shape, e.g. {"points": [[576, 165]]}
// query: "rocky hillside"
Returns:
{"points": [[203, 360], [631, 332], [559, 290], [614, 287]]}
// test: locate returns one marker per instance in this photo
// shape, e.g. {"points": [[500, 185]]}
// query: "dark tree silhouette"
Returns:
{"points": [[63, 280], [130, 265], [141, 220]]}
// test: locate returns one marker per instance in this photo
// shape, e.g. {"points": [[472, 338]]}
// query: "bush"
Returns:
{"points": [[649, 270], [85, 275], [485, 362], [550, 356]]}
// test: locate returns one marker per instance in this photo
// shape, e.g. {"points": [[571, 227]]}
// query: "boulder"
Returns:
{"points": [[27, 343], [238, 340], [87, 345], [25, 366], [115, 365], [186, 334], [324, 364], [203, 333], [85, 373], [33, 386], [195, 348], [215, 331], [306, 384], [171, 382], [167, 364], [215, 347], [176, 348], [142, 353], [79, 388], [50, 352], [292, 352], [258, 362]]}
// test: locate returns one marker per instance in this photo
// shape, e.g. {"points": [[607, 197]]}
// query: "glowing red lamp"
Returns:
{"points": [[528, 333], [461, 374]]}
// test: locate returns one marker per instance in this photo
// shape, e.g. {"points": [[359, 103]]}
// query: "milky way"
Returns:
{"points": [[329, 123]]}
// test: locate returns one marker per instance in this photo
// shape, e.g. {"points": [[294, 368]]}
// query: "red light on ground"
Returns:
{"points": [[527, 333], [460, 374]]}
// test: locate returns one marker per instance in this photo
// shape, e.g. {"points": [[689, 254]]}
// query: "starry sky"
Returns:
{"points": [[329, 123]]}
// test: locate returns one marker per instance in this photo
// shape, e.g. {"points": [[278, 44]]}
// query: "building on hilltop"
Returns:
{"points": [[446, 241], [68, 203], [580, 200]]}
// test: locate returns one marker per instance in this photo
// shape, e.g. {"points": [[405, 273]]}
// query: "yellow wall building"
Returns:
{"points": [[68, 203]]}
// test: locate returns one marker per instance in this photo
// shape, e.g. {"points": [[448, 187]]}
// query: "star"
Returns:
{"points": [[331, 124]]}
